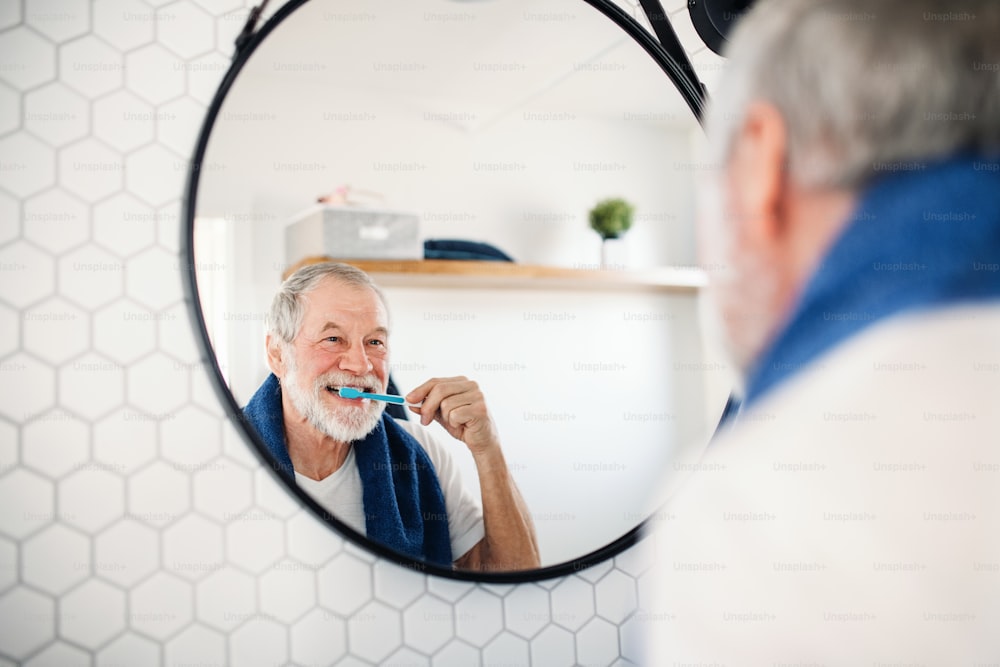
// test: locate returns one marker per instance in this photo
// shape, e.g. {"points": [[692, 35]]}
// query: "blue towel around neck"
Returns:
{"points": [[403, 502], [918, 239]]}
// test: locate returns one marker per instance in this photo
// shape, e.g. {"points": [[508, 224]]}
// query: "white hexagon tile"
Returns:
{"points": [[136, 527], [56, 221], [70, 122]]}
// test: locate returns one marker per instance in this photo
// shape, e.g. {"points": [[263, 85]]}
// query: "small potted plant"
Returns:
{"points": [[610, 218]]}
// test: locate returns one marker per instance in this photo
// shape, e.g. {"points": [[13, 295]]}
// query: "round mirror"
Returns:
{"points": [[425, 141]]}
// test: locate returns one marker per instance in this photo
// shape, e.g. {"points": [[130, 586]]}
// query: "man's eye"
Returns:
{"points": [[334, 339], [377, 342]]}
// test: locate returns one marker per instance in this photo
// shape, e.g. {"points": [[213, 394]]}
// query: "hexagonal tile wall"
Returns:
{"points": [[178, 123], [222, 491], [9, 111], [29, 164], [255, 540], [318, 637], [8, 564], [185, 29], [124, 24], [123, 121], [225, 599], [70, 122], [121, 224], [160, 606], [92, 613], [91, 385], [154, 74], [91, 276], [29, 274], [91, 498], [10, 337], [428, 624], [124, 441], [91, 170], [29, 621], [55, 559], [59, 653], [55, 443], [129, 649], [158, 494], [288, 590], [10, 14], [196, 645], [91, 66], [126, 552], [56, 330], [135, 525], [478, 617], [158, 387], [260, 641], [129, 318], [374, 632], [155, 175], [351, 569], [203, 76], [9, 210], [506, 648], [553, 646], [192, 547], [26, 503], [58, 20], [56, 221], [29, 58]]}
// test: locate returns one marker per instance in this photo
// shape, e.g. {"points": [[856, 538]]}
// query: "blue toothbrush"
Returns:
{"points": [[350, 392]]}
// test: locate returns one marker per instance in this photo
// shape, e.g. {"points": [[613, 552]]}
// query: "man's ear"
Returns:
{"points": [[275, 358], [757, 170]]}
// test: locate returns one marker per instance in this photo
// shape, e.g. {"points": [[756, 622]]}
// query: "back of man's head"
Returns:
{"points": [[865, 87]]}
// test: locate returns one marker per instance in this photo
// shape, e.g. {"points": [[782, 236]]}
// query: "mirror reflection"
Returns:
{"points": [[363, 134]]}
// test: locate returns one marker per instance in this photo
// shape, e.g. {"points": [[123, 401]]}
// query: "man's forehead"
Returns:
{"points": [[340, 302]]}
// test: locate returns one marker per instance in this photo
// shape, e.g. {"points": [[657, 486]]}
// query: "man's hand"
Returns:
{"points": [[458, 405]]}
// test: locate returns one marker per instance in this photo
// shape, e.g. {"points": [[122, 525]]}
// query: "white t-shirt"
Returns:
{"points": [[341, 493], [850, 517]]}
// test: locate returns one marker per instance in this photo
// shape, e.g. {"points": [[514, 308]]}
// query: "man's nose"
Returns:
{"points": [[355, 360]]}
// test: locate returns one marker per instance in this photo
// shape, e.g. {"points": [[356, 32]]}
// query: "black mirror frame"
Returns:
{"points": [[686, 83], [714, 19]]}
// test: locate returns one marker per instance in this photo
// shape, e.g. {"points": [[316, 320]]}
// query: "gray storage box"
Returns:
{"points": [[353, 233]]}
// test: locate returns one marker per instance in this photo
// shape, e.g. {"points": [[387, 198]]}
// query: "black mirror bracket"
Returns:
{"points": [[687, 82], [253, 18]]}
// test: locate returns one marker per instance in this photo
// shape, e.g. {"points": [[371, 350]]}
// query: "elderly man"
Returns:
{"points": [[849, 514], [387, 478]]}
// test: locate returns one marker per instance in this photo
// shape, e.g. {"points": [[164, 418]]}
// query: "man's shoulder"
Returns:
{"points": [[899, 418], [909, 365], [854, 491]]}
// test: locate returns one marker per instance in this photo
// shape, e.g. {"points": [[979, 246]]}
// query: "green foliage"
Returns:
{"points": [[611, 217]]}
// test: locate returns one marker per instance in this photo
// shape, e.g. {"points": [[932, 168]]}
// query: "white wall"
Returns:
{"points": [[548, 175]]}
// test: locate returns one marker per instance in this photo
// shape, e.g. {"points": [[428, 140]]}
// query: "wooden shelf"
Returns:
{"points": [[509, 275]]}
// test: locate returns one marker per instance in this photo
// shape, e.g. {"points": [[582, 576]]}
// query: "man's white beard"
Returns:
{"points": [[343, 424]]}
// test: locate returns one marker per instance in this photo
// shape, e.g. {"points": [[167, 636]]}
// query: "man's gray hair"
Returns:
{"points": [[285, 316], [865, 87]]}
